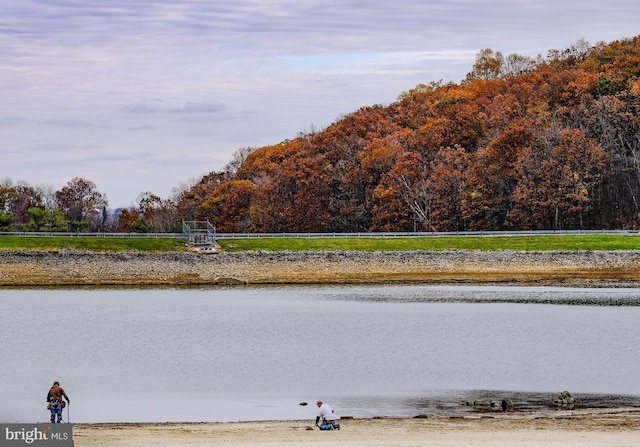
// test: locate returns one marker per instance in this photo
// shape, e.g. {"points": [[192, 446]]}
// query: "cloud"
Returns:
{"points": [[62, 148], [10, 121], [141, 128], [142, 108], [254, 27], [67, 123], [203, 107]]}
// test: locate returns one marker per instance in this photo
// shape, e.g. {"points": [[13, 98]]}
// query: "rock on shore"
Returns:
{"points": [[71, 267]]}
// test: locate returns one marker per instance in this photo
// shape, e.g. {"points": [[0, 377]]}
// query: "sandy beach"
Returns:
{"points": [[597, 428]]}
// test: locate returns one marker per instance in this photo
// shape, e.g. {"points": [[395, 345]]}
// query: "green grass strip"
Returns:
{"points": [[98, 244], [468, 243], [465, 243]]}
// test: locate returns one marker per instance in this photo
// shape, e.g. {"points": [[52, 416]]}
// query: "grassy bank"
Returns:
{"points": [[90, 243], [484, 243], [467, 243]]}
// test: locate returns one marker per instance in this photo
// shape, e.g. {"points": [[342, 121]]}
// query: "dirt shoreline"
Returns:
{"points": [[601, 428], [77, 268]]}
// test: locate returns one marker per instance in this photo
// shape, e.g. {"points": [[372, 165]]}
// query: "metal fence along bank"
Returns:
{"points": [[329, 235]]}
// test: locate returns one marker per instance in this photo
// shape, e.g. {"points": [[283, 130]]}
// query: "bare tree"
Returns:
{"points": [[161, 215], [236, 161], [517, 64]]}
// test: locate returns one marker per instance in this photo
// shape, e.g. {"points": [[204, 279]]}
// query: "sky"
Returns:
{"points": [[149, 95]]}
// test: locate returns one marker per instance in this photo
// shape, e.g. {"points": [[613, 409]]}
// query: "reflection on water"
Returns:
{"points": [[255, 353]]}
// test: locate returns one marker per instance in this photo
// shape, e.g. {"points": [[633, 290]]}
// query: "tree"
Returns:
{"points": [[158, 214], [401, 198], [291, 190], [26, 197], [7, 195], [229, 206], [80, 201], [556, 189], [492, 178], [237, 159], [127, 219], [488, 65], [606, 86], [189, 200], [51, 219], [517, 64], [446, 186], [30, 208], [141, 227], [615, 122], [576, 167], [6, 221]]}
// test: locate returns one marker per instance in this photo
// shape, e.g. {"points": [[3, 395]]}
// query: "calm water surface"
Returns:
{"points": [[256, 353]]}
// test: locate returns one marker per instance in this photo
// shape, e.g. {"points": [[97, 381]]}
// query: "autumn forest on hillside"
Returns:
{"points": [[521, 143]]}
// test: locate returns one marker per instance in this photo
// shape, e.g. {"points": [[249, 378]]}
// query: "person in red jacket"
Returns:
{"points": [[56, 404]]}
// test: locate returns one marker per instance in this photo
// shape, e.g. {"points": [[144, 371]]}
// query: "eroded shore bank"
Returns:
{"points": [[77, 268]]}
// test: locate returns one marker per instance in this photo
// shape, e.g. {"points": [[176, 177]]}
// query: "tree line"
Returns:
{"points": [[521, 143], [79, 206]]}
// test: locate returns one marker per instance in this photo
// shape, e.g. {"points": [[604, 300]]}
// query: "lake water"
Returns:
{"points": [[229, 354]]}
